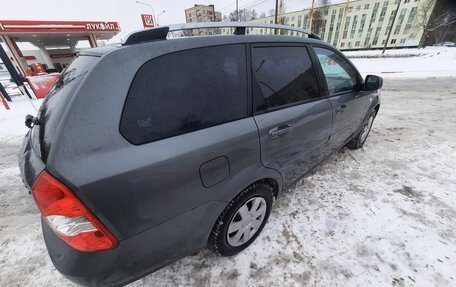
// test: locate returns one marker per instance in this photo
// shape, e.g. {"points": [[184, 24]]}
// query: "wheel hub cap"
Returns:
{"points": [[246, 221]]}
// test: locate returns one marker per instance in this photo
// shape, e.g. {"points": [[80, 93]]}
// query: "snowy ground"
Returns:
{"points": [[383, 215], [406, 63]]}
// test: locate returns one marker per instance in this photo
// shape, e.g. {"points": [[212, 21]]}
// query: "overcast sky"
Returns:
{"points": [[127, 12]]}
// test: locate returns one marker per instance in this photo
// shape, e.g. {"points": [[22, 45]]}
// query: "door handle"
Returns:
{"points": [[341, 109], [279, 131]]}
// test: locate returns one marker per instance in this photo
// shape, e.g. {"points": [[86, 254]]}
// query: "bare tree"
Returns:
{"points": [[282, 20], [442, 25], [254, 15], [422, 17], [437, 26], [263, 15], [319, 14], [272, 12], [317, 21], [244, 15]]}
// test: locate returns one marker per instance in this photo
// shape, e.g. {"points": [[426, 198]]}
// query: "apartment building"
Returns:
{"points": [[202, 13], [366, 24]]}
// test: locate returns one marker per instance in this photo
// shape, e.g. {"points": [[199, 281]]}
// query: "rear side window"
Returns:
{"points": [[184, 92], [340, 76], [282, 76]]}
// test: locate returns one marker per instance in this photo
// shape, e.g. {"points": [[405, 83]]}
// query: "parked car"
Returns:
{"points": [[146, 152]]}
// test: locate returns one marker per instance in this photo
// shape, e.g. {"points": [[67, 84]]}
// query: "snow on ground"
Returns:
{"points": [[12, 131], [12, 121], [406, 63], [382, 215]]}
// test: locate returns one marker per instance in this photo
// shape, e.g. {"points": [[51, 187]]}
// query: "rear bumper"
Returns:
{"points": [[135, 256], [138, 255]]}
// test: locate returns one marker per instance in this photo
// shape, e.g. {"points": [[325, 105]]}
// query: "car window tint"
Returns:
{"points": [[282, 75], [186, 91], [339, 75], [57, 100]]}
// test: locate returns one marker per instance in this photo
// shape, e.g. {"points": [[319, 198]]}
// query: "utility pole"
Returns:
{"points": [[276, 11], [280, 11], [311, 15], [276, 16], [392, 25]]}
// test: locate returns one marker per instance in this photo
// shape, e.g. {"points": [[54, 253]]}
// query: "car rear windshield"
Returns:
{"points": [[57, 99]]}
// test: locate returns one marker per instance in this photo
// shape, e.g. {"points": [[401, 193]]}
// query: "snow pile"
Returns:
{"points": [[12, 121], [406, 63]]}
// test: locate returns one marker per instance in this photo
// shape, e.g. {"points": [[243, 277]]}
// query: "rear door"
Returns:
{"points": [[293, 118], [343, 85]]}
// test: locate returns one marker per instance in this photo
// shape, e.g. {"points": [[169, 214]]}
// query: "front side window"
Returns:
{"points": [[282, 76], [339, 75], [186, 91]]}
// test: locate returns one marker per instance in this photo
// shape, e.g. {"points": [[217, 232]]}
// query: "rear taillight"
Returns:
{"points": [[69, 217]]}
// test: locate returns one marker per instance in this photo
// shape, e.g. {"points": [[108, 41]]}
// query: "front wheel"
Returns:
{"points": [[358, 141], [242, 220]]}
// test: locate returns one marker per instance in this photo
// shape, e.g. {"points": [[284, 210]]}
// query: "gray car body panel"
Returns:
{"points": [[303, 146], [132, 183], [161, 199]]}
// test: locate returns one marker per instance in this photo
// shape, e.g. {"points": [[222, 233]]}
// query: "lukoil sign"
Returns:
{"points": [[101, 26]]}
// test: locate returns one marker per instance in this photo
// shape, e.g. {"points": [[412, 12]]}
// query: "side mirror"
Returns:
{"points": [[373, 83]]}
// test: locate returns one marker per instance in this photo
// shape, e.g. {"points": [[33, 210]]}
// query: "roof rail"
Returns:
{"points": [[160, 33], [238, 26]]}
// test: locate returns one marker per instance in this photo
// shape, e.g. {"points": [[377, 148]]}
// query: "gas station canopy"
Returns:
{"points": [[57, 33], [56, 41], [45, 34]]}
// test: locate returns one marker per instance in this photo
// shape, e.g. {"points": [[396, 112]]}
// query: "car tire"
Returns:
{"points": [[242, 220], [358, 141]]}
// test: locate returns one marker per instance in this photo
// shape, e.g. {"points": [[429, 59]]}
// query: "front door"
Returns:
{"points": [[345, 94], [293, 120]]}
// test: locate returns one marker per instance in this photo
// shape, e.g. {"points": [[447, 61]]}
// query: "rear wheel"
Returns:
{"points": [[242, 220], [358, 141]]}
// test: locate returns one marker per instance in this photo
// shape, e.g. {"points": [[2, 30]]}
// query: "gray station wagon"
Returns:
{"points": [[156, 148]]}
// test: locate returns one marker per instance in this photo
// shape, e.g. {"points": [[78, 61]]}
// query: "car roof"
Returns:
{"points": [[206, 41], [166, 36]]}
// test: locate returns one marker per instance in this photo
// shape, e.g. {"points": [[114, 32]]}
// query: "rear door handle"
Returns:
{"points": [[341, 109], [279, 131]]}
